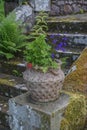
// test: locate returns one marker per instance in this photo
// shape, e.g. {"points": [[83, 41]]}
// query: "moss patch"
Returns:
{"points": [[76, 81], [7, 82], [75, 113]]}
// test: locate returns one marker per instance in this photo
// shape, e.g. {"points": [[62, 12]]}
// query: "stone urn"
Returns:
{"points": [[44, 87]]}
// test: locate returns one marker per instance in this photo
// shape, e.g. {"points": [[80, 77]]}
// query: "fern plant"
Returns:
{"points": [[40, 26], [38, 52], [11, 39]]}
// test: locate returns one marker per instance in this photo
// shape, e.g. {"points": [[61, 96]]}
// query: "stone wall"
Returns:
{"points": [[9, 6], [56, 7], [63, 7]]}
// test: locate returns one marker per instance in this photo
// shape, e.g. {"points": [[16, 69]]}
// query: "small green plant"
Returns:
{"points": [[81, 11], [16, 73], [38, 52], [40, 26], [11, 39]]}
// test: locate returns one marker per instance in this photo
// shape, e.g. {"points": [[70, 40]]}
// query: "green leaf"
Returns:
{"points": [[9, 55]]}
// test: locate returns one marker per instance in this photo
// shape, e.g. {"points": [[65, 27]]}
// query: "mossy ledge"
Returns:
{"points": [[75, 113], [76, 80], [12, 67], [7, 82]]}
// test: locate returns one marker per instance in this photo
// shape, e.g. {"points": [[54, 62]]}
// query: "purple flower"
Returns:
{"points": [[64, 38], [58, 34], [62, 49], [64, 43], [52, 55], [54, 41], [51, 36], [60, 46], [56, 48]]}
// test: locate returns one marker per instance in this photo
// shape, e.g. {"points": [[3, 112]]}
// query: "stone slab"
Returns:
{"points": [[64, 7], [11, 86], [73, 40], [68, 24], [29, 115], [12, 67], [42, 5]]}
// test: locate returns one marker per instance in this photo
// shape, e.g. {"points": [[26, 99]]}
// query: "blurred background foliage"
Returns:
{"points": [[2, 15]]}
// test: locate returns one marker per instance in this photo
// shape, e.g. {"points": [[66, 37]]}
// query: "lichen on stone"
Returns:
{"points": [[7, 82], [76, 81], [75, 113]]}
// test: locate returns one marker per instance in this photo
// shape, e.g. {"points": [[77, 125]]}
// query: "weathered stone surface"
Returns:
{"points": [[9, 6], [25, 15], [76, 80], [68, 6], [44, 87], [56, 7], [76, 8], [15, 67], [3, 111], [67, 9], [28, 115], [11, 86], [73, 41], [43, 5], [75, 113], [67, 24]]}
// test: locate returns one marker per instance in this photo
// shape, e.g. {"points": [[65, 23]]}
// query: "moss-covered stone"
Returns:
{"points": [[70, 23], [11, 86], [7, 82], [15, 67], [69, 18], [75, 113], [76, 80]]}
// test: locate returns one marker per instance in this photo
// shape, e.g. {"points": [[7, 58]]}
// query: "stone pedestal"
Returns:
{"points": [[25, 114]]}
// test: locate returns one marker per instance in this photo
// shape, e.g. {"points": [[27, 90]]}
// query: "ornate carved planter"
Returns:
{"points": [[44, 87]]}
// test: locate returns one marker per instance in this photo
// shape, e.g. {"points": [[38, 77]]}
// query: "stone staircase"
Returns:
{"points": [[10, 86], [74, 27]]}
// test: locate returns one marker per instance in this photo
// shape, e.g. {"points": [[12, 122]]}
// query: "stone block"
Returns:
{"points": [[25, 114], [25, 15], [42, 5]]}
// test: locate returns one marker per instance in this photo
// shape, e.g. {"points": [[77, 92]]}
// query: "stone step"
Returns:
{"points": [[69, 55], [11, 86], [70, 51], [4, 111], [72, 40], [14, 67], [68, 24]]}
